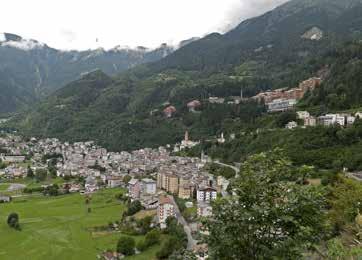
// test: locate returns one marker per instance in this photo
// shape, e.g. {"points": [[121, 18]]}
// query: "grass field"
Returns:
{"points": [[58, 227]]}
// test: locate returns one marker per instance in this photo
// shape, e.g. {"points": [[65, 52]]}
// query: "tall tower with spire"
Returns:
{"points": [[186, 136]]}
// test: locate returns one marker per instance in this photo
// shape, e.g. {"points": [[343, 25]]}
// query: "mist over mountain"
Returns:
{"points": [[30, 70]]}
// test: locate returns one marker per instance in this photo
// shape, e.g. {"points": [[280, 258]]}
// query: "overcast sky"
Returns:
{"points": [[77, 24]]}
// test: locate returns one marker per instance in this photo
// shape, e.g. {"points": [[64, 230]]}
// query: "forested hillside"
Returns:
{"points": [[278, 49]]}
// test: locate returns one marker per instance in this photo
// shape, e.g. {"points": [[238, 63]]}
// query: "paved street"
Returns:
{"points": [[191, 242]]}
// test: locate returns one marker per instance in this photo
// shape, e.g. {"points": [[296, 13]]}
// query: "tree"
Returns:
{"points": [[30, 173], [270, 217], [126, 245], [41, 174], [127, 178], [13, 221], [152, 238], [134, 207]]}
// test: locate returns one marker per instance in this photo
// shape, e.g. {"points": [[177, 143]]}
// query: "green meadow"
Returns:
{"points": [[60, 227]]}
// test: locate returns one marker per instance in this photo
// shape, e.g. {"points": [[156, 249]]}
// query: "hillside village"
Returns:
{"points": [[148, 174]]}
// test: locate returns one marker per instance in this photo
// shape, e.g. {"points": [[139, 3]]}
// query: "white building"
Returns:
{"points": [[303, 115], [310, 121], [149, 186], [291, 125], [332, 119], [165, 209], [206, 194], [280, 105], [221, 140]]}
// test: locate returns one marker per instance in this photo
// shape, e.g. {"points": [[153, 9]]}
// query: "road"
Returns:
{"points": [[236, 169], [191, 242]]}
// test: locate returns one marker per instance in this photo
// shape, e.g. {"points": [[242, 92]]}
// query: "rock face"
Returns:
{"points": [[314, 34]]}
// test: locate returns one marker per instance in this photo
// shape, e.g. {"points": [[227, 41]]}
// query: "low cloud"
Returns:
{"points": [[244, 9], [68, 35]]}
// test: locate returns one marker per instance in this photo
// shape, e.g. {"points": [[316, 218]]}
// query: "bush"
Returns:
{"points": [[141, 246], [13, 221], [152, 238], [126, 245]]}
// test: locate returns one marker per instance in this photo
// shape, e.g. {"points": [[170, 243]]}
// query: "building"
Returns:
{"points": [[5, 198], [216, 100], [303, 115], [149, 186], [193, 105], [134, 188], [172, 184], [204, 210], [291, 125], [187, 143], [221, 140], [13, 158], [169, 111], [280, 105], [332, 119], [310, 121], [165, 210], [184, 191], [114, 182], [206, 194]]}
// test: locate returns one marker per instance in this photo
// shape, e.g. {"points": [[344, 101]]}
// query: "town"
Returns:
{"points": [[154, 177]]}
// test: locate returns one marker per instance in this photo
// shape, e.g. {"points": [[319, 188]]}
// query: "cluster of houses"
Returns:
{"points": [[342, 119], [285, 99]]}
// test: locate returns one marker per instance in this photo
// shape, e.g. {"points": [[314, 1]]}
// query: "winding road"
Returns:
{"points": [[191, 242], [236, 169]]}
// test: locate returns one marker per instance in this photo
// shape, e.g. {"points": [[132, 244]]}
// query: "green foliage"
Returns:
{"points": [[345, 200], [30, 173], [126, 245], [152, 238], [133, 208], [13, 221], [218, 170], [270, 217], [41, 174]]}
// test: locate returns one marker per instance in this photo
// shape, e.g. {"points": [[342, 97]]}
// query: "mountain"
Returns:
{"points": [[30, 70], [278, 49], [277, 33]]}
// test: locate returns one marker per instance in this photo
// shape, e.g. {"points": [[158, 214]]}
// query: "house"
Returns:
{"points": [[291, 125], [169, 111], [13, 158], [134, 188], [165, 209], [216, 100], [204, 210], [280, 105], [91, 184], [221, 140], [206, 194], [114, 182], [332, 119], [193, 105], [310, 121], [4, 199], [303, 115], [149, 186]]}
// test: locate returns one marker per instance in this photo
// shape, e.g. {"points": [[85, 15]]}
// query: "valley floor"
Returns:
{"points": [[60, 227]]}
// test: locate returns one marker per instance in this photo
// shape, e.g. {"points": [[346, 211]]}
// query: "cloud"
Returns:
{"points": [[245, 9], [68, 35]]}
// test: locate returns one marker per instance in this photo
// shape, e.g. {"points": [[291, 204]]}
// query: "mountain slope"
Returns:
{"points": [[278, 49], [30, 70], [276, 33]]}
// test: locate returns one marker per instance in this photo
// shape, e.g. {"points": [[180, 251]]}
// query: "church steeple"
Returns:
{"points": [[187, 136]]}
